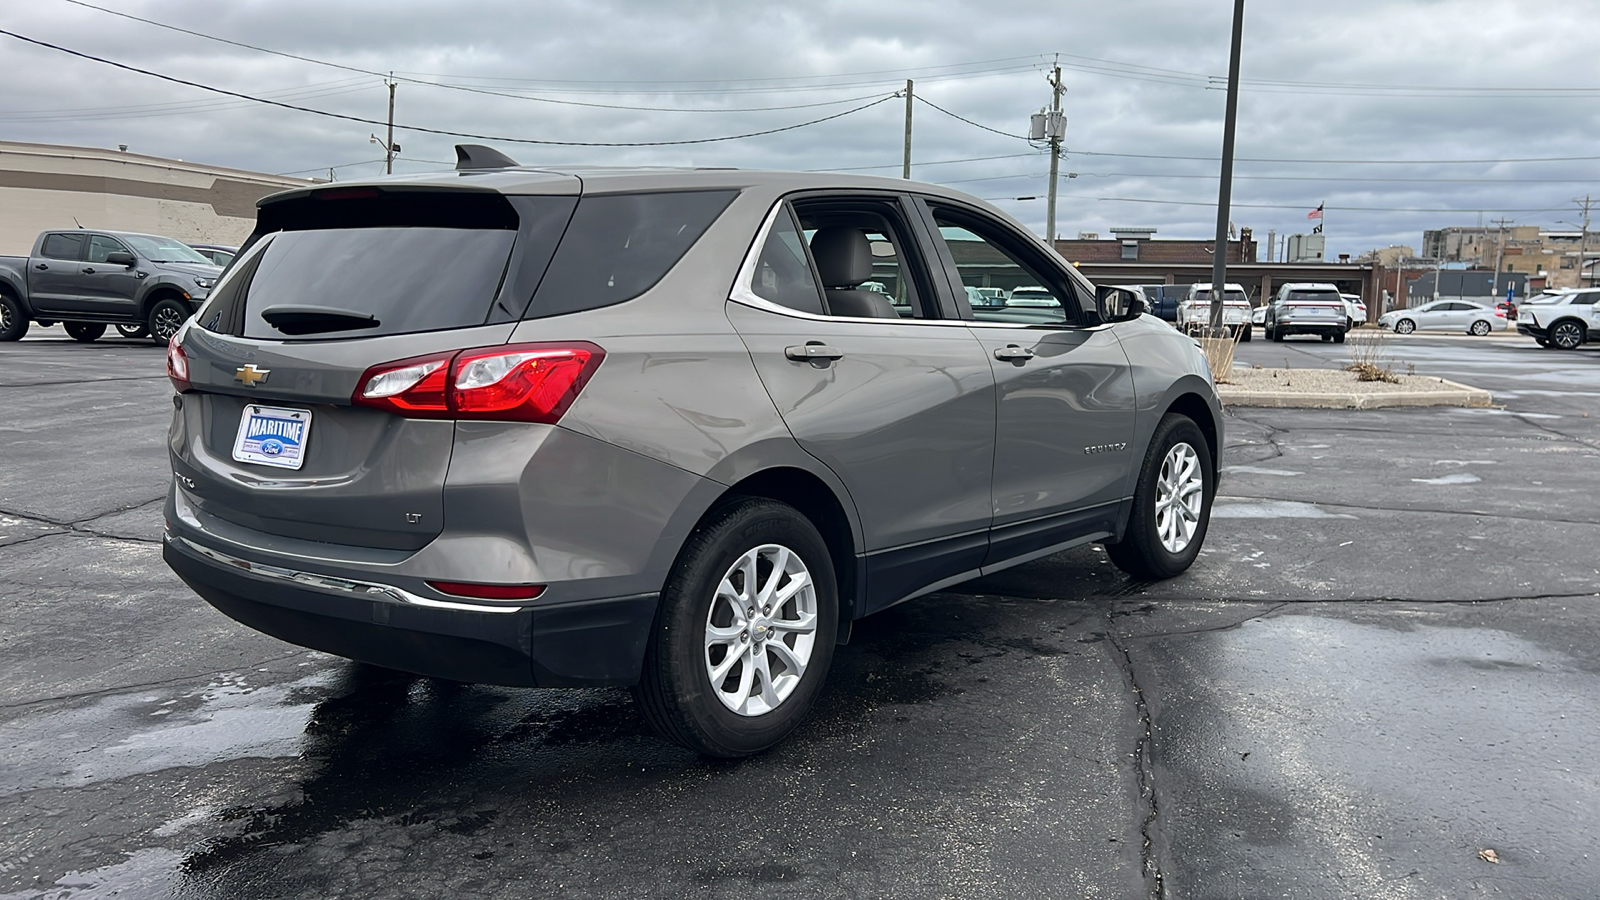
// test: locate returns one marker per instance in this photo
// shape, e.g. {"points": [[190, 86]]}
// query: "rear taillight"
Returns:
{"points": [[515, 382], [177, 367]]}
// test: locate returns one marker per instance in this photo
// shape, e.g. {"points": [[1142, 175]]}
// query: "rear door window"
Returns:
{"points": [[63, 246]]}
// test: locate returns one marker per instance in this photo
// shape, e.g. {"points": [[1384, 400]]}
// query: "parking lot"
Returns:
{"points": [[1385, 664]]}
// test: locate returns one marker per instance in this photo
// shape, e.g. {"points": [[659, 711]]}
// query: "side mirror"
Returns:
{"points": [[1119, 304], [121, 258]]}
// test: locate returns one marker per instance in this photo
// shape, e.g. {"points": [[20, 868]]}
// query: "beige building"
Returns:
{"points": [[43, 186], [1549, 258]]}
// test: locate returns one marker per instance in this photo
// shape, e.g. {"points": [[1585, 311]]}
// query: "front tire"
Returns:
{"points": [[1404, 326], [85, 332], [745, 632], [1479, 328], [133, 331], [13, 318], [165, 318], [1171, 505]]}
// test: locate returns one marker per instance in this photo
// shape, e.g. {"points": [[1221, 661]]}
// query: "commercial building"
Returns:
{"points": [[44, 186]]}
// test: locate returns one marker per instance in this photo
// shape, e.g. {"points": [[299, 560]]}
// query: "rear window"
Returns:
{"points": [[619, 245], [1314, 296], [1227, 296], [408, 279]]}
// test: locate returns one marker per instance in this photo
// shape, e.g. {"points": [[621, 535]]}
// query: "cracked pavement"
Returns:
{"points": [[1385, 661]]}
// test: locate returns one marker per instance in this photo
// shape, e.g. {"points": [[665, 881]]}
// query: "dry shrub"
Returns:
{"points": [[1369, 355], [1219, 355]]}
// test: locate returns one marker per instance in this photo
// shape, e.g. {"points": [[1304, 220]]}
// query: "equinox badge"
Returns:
{"points": [[250, 375]]}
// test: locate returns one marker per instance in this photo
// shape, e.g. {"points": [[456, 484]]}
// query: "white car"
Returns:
{"points": [[1446, 315], [1034, 296], [1194, 313], [1564, 320], [1354, 309]]}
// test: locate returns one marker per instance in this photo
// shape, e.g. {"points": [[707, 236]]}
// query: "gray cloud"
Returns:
{"points": [[1367, 80]]}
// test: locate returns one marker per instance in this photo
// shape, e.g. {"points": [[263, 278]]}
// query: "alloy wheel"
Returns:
{"points": [[1566, 336], [166, 323], [1180, 493], [761, 630]]}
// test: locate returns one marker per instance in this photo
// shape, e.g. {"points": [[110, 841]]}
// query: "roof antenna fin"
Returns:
{"points": [[477, 156]]}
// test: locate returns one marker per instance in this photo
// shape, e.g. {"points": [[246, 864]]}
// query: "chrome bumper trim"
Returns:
{"points": [[366, 589]]}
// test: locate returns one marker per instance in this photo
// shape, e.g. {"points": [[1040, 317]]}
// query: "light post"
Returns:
{"points": [[390, 151]]}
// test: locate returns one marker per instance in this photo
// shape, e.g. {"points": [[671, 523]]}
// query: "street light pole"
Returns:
{"points": [[388, 145]]}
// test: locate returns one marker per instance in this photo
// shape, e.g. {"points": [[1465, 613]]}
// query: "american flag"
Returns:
{"points": [[1315, 213]]}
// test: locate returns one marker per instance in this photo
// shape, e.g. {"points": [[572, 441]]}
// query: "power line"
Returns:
{"points": [[952, 115], [440, 131], [1347, 162]]}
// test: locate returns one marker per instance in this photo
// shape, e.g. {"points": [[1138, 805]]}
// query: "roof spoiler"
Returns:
{"points": [[477, 156]]}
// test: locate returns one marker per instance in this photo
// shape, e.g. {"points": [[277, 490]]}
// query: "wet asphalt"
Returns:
{"points": [[1386, 661]]}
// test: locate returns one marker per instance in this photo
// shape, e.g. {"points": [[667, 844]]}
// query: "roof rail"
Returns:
{"points": [[477, 156]]}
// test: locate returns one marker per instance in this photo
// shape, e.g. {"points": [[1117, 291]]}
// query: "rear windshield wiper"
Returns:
{"points": [[299, 320]]}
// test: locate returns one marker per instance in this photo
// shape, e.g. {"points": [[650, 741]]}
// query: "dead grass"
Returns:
{"points": [[1369, 355], [1219, 355]]}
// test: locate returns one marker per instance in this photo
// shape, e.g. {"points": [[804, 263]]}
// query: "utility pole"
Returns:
{"points": [[1583, 242], [388, 145], [1056, 132], [1219, 255], [905, 164], [1499, 255]]}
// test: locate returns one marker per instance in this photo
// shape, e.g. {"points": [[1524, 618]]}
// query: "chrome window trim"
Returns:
{"points": [[744, 295]]}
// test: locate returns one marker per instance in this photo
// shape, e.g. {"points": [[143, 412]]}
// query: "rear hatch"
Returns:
{"points": [[1313, 308], [335, 282]]}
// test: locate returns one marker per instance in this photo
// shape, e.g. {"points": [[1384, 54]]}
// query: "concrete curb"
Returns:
{"points": [[1449, 393]]}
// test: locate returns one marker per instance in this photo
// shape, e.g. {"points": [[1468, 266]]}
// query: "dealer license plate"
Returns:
{"points": [[273, 436]]}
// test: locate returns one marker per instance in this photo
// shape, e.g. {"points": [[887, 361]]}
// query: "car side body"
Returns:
{"points": [[1565, 320], [1446, 315]]}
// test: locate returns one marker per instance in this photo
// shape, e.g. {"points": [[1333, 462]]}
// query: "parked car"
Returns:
{"points": [[1355, 310], [1194, 313], [86, 280], [1307, 308], [985, 298], [220, 254], [1035, 296], [1565, 320], [1510, 309], [524, 432], [1163, 299], [1258, 317], [1445, 315]]}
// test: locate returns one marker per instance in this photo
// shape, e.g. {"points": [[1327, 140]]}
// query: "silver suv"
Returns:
{"points": [[648, 427]]}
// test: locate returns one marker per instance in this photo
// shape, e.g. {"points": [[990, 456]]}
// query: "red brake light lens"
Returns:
{"points": [[514, 382], [177, 367]]}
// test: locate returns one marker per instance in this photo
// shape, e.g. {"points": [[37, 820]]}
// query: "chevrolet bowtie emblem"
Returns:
{"points": [[250, 375]]}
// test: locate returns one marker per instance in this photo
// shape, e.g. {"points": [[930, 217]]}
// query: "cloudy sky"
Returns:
{"points": [[1399, 115]]}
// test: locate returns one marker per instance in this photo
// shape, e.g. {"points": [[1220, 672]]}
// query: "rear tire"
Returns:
{"points": [[1171, 505], [712, 681], [1276, 334], [165, 318], [13, 318], [85, 332], [1339, 338], [1244, 337], [1567, 335], [133, 331]]}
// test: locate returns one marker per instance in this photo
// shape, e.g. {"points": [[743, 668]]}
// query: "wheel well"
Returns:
{"points": [[1583, 327], [156, 296], [816, 501], [1193, 406]]}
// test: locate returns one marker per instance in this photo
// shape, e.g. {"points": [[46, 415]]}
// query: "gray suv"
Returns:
{"points": [[647, 427]]}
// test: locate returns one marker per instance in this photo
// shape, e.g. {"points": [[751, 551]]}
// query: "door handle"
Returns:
{"points": [[1013, 354], [41, 266], [813, 351], [88, 270]]}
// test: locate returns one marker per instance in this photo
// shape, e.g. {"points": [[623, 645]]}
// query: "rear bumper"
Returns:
{"points": [[1533, 331], [581, 644], [1333, 328]]}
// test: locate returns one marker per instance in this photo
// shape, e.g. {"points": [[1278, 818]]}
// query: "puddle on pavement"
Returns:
{"points": [[1456, 478], [148, 730], [1258, 470], [151, 872]]}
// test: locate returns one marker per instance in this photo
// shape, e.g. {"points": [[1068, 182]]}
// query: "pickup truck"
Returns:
{"points": [[144, 284], [1194, 313]]}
